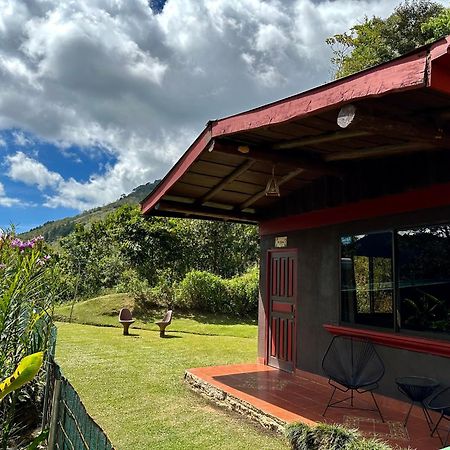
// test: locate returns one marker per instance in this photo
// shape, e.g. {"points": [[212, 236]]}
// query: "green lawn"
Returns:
{"points": [[104, 311], [133, 386]]}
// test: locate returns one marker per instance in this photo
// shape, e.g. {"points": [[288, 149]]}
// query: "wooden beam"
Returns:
{"points": [[262, 193], [274, 157], [227, 180], [321, 138], [377, 152], [206, 212], [351, 118]]}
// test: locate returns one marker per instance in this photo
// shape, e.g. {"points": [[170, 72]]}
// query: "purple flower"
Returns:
{"points": [[2, 266]]}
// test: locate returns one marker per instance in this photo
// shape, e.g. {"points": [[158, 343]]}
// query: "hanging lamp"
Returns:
{"points": [[272, 188]]}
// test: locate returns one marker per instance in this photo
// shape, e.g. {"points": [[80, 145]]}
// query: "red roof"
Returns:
{"points": [[200, 176]]}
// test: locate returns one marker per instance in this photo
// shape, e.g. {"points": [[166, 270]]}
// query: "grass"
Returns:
{"points": [[104, 311], [133, 385]]}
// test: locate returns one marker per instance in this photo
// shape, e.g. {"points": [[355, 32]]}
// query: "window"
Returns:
{"points": [[424, 278], [407, 284], [366, 279]]}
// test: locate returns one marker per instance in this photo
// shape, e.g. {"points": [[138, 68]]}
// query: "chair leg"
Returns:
{"points": [[436, 427], [162, 332], [376, 404], [407, 415], [427, 416], [125, 329], [329, 401]]}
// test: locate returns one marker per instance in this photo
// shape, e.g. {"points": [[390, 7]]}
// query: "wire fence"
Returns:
{"points": [[71, 427]]}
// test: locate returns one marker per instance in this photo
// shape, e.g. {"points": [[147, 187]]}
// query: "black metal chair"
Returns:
{"points": [[352, 364], [440, 402]]}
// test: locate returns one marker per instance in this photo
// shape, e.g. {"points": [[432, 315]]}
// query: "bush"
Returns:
{"points": [[243, 293], [329, 437], [27, 295], [202, 291]]}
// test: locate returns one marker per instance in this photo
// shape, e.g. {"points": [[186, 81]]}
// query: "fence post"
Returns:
{"points": [[55, 414], [49, 378]]}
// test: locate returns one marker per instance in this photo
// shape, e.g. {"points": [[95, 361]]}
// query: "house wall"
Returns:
{"points": [[318, 299]]}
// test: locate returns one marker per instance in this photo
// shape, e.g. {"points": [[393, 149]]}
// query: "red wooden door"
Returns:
{"points": [[282, 297]]}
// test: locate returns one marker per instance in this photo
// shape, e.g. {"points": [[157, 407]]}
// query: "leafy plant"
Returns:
{"points": [[27, 293], [329, 437], [376, 40]]}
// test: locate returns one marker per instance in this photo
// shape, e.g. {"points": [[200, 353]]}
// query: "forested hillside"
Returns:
{"points": [[56, 229], [198, 264]]}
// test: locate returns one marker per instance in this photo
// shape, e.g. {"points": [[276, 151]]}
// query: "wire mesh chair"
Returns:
{"points": [[440, 402], [352, 365]]}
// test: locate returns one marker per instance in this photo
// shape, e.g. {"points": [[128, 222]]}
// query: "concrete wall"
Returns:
{"points": [[319, 296]]}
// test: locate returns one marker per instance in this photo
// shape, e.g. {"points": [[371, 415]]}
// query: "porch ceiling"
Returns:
{"points": [[393, 109]]}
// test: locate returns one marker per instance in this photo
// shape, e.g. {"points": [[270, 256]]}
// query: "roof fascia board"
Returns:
{"points": [[398, 75]]}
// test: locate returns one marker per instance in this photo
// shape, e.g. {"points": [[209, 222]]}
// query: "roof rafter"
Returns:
{"points": [[262, 193], [227, 180], [277, 157]]}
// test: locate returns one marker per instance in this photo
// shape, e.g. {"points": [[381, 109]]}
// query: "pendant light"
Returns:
{"points": [[272, 188]]}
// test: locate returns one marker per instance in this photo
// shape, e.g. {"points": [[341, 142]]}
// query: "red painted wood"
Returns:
{"points": [[396, 340], [440, 79], [429, 197], [274, 337], [281, 307], [398, 75], [289, 341], [274, 276], [291, 278]]}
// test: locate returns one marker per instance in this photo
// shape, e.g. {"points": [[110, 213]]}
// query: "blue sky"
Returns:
{"points": [[100, 96]]}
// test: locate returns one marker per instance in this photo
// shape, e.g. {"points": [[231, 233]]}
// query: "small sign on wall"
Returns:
{"points": [[281, 241]]}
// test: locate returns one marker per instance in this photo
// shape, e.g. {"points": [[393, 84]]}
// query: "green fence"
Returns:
{"points": [[71, 427]]}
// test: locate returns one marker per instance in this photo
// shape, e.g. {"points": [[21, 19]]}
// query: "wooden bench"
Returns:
{"points": [[163, 324], [126, 319]]}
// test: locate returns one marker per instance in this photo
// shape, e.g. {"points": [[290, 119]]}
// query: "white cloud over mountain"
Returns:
{"points": [[114, 76]]}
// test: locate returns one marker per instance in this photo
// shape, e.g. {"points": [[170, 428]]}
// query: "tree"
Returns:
{"points": [[412, 24]]}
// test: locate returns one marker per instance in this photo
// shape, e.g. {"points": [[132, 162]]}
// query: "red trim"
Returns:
{"points": [[429, 197], [398, 75], [395, 340], [281, 307]]}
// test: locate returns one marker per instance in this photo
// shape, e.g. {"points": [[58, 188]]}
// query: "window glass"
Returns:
{"points": [[424, 278], [366, 279]]}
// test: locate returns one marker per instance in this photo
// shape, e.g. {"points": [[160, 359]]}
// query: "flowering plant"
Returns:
{"points": [[27, 294]]}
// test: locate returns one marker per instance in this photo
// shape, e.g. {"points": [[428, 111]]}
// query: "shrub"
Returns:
{"points": [[329, 437], [202, 291], [243, 292], [27, 295]]}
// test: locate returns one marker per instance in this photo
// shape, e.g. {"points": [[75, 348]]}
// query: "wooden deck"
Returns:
{"points": [[274, 398]]}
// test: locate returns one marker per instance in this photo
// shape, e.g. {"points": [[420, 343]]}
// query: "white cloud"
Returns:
{"points": [[111, 75], [7, 201], [21, 140], [2, 142], [32, 172]]}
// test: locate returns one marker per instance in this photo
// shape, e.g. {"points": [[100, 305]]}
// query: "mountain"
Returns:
{"points": [[56, 229]]}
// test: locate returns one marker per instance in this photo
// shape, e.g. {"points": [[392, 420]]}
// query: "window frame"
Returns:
{"points": [[396, 329]]}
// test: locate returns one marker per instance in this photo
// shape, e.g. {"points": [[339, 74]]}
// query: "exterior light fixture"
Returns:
{"points": [[272, 188], [244, 149]]}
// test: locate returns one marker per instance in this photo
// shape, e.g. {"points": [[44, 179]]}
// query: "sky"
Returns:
{"points": [[100, 96]]}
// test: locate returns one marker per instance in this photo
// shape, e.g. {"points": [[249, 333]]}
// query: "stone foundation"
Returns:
{"points": [[226, 400]]}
